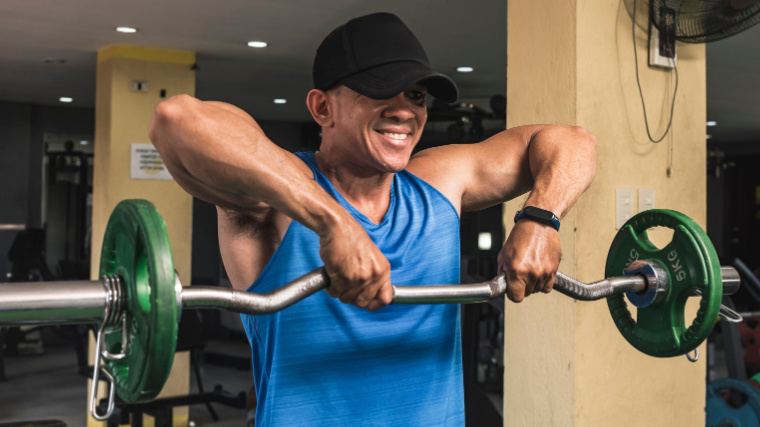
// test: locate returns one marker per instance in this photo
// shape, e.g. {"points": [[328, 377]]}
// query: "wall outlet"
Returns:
{"points": [[623, 206], [137, 86], [662, 45], [646, 199]]}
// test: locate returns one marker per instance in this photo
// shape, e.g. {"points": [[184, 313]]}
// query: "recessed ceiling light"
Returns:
{"points": [[126, 29], [709, 136], [257, 44], [465, 69], [83, 142], [65, 99], [280, 101], [712, 123]]}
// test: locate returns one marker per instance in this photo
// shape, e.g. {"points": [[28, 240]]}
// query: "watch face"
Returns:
{"points": [[539, 213]]}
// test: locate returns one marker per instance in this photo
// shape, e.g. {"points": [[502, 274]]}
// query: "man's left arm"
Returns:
{"points": [[556, 163]]}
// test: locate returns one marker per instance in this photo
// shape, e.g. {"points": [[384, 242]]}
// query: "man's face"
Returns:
{"points": [[378, 134]]}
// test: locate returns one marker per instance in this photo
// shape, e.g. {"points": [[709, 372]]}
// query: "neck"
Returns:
{"points": [[368, 191]]}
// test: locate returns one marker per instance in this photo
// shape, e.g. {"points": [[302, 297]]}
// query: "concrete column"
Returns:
{"points": [[122, 117], [572, 62]]}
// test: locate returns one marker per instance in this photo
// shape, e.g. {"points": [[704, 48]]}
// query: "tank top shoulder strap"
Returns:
{"points": [[308, 158], [311, 162]]}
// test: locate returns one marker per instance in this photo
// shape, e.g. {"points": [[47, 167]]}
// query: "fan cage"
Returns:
{"points": [[703, 21]]}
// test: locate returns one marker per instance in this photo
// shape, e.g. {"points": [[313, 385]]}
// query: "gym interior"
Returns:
{"points": [[675, 115]]}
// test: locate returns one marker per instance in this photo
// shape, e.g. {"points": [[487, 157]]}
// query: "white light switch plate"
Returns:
{"points": [[646, 199], [623, 206]]}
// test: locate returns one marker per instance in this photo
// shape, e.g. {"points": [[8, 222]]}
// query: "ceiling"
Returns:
{"points": [[454, 33]]}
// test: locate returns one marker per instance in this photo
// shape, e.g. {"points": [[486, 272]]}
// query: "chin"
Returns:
{"points": [[396, 166]]}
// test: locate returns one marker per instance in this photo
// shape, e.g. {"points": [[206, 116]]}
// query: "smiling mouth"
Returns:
{"points": [[394, 135]]}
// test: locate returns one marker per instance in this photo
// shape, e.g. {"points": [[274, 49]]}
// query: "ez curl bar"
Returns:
{"points": [[138, 301]]}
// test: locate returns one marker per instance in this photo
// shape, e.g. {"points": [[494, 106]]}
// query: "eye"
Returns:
{"points": [[416, 95]]}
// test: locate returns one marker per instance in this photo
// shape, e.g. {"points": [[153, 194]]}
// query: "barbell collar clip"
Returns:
{"points": [[97, 370], [729, 315]]}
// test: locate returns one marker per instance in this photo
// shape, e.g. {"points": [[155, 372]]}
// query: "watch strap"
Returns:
{"points": [[539, 215]]}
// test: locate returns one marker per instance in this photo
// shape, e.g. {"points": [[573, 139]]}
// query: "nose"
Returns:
{"points": [[399, 109]]}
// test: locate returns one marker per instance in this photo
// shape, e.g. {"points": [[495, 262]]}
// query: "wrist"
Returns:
{"points": [[330, 223], [541, 216], [336, 222], [319, 212]]}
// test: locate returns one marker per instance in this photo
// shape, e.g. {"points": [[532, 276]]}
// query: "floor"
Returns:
{"points": [[43, 383]]}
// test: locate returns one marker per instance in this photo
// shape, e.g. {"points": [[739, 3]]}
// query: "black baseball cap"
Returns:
{"points": [[377, 56]]}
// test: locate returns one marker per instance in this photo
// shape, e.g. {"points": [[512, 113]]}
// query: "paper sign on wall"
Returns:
{"points": [[146, 163]]}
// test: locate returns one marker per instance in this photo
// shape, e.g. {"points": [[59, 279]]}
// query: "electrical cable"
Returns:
{"points": [[638, 82]]}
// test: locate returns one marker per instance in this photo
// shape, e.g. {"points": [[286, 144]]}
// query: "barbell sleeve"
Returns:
{"points": [[52, 303], [731, 280]]}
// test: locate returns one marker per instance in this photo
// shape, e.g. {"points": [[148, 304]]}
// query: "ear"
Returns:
{"points": [[318, 103]]}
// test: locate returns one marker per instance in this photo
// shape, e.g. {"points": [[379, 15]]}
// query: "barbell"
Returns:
{"points": [[139, 299]]}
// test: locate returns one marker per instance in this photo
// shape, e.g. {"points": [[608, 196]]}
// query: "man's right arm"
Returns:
{"points": [[219, 154]]}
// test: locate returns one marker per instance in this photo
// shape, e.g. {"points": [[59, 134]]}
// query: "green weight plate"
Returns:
{"points": [[691, 261], [136, 248]]}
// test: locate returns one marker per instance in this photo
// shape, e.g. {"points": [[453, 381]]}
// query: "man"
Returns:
{"points": [[373, 215]]}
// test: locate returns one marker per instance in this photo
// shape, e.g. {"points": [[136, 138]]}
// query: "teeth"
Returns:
{"points": [[395, 135]]}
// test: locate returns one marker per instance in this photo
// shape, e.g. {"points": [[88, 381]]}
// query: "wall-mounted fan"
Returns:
{"points": [[703, 21], [690, 21]]}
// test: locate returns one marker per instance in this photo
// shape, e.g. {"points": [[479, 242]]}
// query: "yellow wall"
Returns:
{"points": [[566, 363], [122, 118]]}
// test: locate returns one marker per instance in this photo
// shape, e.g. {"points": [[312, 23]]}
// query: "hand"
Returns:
{"points": [[530, 258], [359, 273]]}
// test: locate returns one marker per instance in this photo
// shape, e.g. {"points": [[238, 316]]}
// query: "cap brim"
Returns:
{"points": [[388, 80]]}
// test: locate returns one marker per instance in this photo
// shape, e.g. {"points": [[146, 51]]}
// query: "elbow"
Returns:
{"points": [[585, 137], [167, 114], [585, 141]]}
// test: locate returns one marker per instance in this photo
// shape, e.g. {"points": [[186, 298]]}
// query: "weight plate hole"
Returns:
{"points": [[728, 397], [660, 236], [632, 309]]}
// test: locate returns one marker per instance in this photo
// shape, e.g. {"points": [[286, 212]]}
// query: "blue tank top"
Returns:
{"points": [[324, 363]]}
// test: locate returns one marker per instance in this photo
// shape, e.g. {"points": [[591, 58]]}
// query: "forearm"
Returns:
{"points": [[562, 162], [219, 154]]}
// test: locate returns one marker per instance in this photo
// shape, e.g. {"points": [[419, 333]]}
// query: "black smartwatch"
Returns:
{"points": [[538, 215]]}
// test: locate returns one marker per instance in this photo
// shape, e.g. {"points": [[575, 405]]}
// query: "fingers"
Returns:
{"points": [[515, 286], [371, 297], [529, 259], [367, 290], [383, 298], [524, 282], [363, 296], [548, 284], [359, 272]]}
